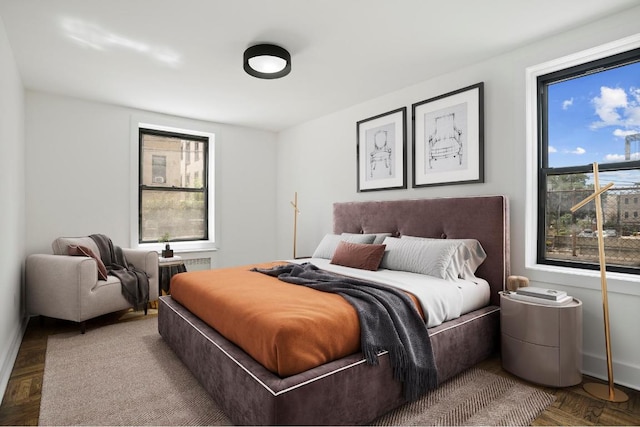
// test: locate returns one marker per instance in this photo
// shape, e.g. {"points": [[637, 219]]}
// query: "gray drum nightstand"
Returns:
{"points": [[542, 343]]}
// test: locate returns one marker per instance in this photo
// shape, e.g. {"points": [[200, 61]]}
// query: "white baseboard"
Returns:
{"points": [[624, 374], [10, 355]]}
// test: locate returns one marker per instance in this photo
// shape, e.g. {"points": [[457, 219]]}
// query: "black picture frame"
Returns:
{"points": [[381, 151], [448, 138]]}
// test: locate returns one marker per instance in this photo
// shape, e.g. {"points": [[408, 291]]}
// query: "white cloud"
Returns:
{"points": [[622, 133], [552, 149], [620, 157], [567, 103], [617, 107], [607, 106], [633, 116], [579, 151], [614, 158]]}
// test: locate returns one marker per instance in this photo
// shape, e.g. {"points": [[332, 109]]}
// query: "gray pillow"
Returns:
{"points": [[378, 237], [432, 257], [465, 262], [329, 243]]}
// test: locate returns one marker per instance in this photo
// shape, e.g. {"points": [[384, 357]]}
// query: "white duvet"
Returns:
{"points": [[441, 300]]}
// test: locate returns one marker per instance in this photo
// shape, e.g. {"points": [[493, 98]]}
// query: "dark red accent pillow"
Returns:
{"points": [[78, 250], [358, 255]]}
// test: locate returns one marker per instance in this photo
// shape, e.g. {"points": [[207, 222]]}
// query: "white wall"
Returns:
{"points": [[12, 209], [79, 177], [318, 160]]}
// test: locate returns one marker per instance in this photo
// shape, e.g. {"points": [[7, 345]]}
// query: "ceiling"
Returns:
{"points": [[184, 57]]}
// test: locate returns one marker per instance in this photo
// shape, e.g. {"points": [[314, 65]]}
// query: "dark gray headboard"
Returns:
{"points": [[485, 218]]}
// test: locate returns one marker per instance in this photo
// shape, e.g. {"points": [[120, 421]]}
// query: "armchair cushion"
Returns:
{"points": [[61, 245]]}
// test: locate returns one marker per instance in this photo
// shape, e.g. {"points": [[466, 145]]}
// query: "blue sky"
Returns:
{"points": [[589, 118]]}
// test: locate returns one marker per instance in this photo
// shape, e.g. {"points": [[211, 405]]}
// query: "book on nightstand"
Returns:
{"points": [[532, 291], [541, 295]]}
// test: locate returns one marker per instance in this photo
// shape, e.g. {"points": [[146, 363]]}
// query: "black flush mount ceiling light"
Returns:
{"points": [[267, 61]]}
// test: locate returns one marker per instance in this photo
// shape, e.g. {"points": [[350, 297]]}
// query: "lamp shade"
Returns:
{"points": [[267, 61]]}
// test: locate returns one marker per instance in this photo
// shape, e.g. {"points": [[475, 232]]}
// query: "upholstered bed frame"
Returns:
{"points": [[348, 391]]}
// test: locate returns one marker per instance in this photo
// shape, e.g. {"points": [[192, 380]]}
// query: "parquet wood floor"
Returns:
{"points": [[21, 403], [575, 407]]}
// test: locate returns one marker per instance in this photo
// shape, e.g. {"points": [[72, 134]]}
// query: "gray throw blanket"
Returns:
{"points": [[135, 283], [388, 318]]}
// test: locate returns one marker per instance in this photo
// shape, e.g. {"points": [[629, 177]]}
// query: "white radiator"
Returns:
{"points": [[197, 264]]}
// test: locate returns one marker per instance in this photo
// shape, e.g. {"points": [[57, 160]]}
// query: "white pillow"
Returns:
{"points": [[433, 257], [466, 262], [329, 243], [378, 238]]}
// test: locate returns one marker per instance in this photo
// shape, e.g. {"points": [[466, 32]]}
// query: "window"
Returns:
{"points": [[159, 169], [587, 113], [169, 202]]}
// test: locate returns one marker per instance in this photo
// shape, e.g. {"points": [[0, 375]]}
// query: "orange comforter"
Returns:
{"points": [[287, 328]]}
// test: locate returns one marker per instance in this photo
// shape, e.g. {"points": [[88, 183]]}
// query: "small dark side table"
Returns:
{"points": [[168, 268]]}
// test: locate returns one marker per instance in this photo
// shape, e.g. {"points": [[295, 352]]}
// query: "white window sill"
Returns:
{"points": [[181, 247], [590, 279]]}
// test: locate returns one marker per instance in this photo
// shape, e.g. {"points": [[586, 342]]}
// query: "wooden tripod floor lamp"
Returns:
{"points": [[296, 212], [602, 391]]}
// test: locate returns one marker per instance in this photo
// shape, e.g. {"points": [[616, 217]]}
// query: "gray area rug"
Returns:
{"points": [[473, 398], [124, 374]]}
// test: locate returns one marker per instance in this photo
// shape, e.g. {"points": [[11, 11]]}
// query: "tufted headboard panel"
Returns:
{"points": [[485, 218]]}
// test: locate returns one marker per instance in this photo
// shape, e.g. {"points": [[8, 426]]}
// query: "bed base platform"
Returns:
{"points": [[348, 391], [345, 391]]}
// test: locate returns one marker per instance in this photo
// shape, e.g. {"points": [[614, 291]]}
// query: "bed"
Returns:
{"points": [[348, 390]]}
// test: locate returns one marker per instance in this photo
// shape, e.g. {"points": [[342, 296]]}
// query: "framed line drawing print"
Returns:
{"points": [[382, 151], [448, 138]]}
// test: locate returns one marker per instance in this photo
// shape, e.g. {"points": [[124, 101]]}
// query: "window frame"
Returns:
{"points": [[179, 127], [185, 189], [535, 211], [544, 170]]}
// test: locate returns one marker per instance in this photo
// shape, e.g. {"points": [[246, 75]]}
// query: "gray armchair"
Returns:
{"points": [[68, 287]]}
